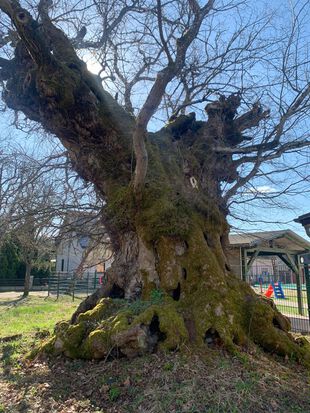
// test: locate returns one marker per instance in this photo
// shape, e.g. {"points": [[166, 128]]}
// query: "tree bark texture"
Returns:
{"points": [[27, 280], [170, 274]]}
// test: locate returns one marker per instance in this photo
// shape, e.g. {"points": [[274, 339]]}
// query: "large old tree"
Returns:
{"points": [[166, 192]]}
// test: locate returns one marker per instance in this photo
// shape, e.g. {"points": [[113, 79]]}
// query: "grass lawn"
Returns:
{"points": [[291, 310], [290, 294], [208, 381], [34, 313], [289, 305]]}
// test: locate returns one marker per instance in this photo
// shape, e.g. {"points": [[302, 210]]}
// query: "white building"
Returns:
{"points": [[79, 249]]}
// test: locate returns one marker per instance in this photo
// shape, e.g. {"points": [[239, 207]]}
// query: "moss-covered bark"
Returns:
{"points": [[219, 312], [173, 279]]}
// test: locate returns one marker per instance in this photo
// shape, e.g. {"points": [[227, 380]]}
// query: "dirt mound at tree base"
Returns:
{"points": [[117, 328], [179, 382]]}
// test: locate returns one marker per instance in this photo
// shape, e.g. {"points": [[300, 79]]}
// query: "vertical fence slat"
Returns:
{"points": [[307, 279], [295, 301], [58, 279], [299, 289], [73, 287], [48, 284]]}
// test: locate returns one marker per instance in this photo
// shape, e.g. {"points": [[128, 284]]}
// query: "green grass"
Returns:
{"points": [[293, 311], [200, 382], [290, 294], [34, 313], [30, 320], [288, 305]]}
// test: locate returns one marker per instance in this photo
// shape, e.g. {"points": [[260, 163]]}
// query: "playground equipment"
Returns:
{"points": [[276, 289], [269, 291]]}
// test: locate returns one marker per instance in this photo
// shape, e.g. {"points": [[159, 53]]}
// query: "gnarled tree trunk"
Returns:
{"points": [[169, 241], [174, 241]]}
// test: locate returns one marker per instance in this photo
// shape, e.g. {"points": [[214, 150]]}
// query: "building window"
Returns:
{"points": [[62, 264]]}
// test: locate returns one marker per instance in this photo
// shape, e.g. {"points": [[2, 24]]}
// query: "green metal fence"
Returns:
{"points": [[62, 283], [290, 293]]}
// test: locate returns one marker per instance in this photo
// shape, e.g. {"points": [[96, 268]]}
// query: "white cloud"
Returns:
{"points": [[264, 189]]}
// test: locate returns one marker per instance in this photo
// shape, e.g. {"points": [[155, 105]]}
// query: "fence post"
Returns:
{"points": [[307, 278], [73, 286], [48, 284], [87, 283], [299, 288], [244, 264], [58, 276], [95, 280]]}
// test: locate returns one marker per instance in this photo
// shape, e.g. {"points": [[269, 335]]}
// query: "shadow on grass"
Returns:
{"points": [[14, 302], [168, 382], [7, 360], [206, 382]]}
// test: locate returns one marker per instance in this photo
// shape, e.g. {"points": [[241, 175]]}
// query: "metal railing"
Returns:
{"points": [[10, 284], [290, 293], [63, 283]]}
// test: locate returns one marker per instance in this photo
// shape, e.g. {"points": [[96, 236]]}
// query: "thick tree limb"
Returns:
{"points": [[5, 63], [158, 89], [6, 6], [27, 29], [5, 68], [51, 85], [251, 118]]}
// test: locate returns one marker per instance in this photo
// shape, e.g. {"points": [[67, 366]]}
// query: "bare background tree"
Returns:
{"points": [[39, 196], [168, 192], [30, 225]]}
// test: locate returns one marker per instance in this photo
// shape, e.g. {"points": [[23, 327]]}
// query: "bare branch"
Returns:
{"points": [[158, 89]]}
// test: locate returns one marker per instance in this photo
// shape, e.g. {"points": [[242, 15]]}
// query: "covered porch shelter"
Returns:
{"points": [[286, 245]]}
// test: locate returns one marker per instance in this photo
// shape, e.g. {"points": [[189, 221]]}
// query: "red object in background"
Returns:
{"points": [[100, 279], [269, 291]]}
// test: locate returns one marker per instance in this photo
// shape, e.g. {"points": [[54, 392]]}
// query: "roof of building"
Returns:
{"points": [[283, 239], [303, 218]]}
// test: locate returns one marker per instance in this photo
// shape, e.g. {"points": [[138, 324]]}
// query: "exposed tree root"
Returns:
{"points": [[119, 328]]}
